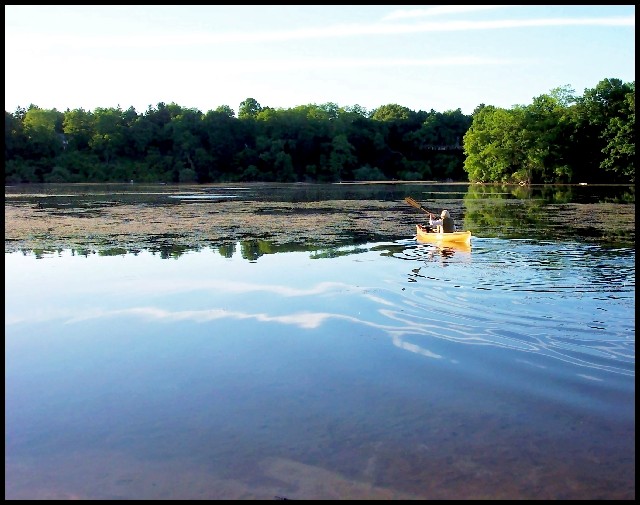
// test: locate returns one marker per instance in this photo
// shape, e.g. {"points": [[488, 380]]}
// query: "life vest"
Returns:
{"points": [[448, 225]]}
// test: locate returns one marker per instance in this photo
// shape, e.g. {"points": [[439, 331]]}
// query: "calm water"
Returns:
{"points": [[381, 370]]}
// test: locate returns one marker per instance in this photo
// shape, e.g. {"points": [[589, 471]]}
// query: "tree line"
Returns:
{"points": [[558, 138]]}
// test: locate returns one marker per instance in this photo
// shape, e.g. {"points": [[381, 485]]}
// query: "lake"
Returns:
{"points": [[366, 366]]}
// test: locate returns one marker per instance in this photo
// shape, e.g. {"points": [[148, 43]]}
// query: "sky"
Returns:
{"points": [[423, 57]]}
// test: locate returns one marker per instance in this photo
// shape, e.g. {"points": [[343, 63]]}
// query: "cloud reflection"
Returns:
{"points": [[308, 320], [403, 320], [172, 286]]}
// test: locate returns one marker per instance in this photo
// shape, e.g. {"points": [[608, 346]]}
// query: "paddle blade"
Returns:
{"points": [[412, 202], [415, 204]]}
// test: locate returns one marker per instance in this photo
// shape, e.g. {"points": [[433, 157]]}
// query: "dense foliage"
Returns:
{"points": [[558, 138]]}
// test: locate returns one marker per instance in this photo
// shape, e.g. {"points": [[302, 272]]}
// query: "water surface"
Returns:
{"points": [[386, 369]]}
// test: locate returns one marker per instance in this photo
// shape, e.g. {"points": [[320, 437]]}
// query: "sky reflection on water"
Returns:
{"points": [[400, 370]]}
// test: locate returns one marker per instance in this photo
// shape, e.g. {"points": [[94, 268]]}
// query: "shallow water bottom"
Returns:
{"points": [[472, 468], [325, 420]]}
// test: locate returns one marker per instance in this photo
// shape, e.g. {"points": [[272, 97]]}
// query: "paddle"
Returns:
{"points": [[415, 204]]}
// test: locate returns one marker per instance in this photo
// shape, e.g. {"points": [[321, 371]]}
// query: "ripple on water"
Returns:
{"points": [[571, 305]]}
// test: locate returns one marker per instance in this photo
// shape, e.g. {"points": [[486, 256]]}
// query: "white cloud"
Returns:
{"points": [[440, 10], [31, 41]]}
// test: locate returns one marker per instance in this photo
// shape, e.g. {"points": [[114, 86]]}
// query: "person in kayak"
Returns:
{"points": [[443, 225]]}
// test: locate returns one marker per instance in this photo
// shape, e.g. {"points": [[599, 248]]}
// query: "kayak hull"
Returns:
{"points": [[455, 238]]}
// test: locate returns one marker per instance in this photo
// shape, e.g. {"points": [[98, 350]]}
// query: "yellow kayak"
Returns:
{"points": [[454, 238]]}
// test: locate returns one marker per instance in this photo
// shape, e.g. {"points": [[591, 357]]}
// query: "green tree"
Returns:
{"points": [[15, 139], [391, 112], [44, 132], [224, 138], [249, 108], [492, 144], [543, 127], [78, 126], [599, 115], [620, 137], [226, 110], [143, 134], [186, 131], [341, 159], [109, 136]]}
